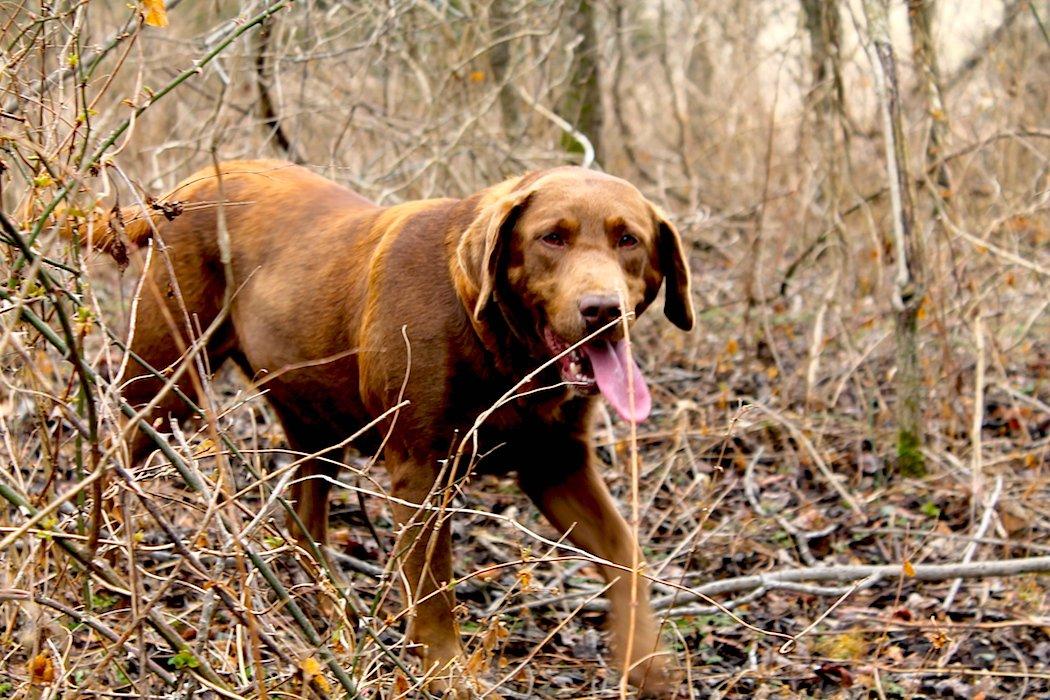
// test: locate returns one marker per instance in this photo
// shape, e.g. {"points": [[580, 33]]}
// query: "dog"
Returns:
{"points": [[512, 304]]}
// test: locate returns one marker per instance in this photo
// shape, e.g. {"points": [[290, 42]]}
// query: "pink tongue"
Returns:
{"points": [[619, 379]]}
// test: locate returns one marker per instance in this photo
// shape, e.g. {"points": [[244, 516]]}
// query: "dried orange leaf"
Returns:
{"points": [[476, 662], [310, 666], [205, 449], [154, 13], [938, 639], [401, 685], [41, 670], [312, 674]]}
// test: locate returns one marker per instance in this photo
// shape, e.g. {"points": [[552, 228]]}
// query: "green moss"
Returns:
{"points": [[570, 145], [910, 461]]}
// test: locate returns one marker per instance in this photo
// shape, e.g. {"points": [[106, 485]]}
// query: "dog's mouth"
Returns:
{"points": [[606, 366], [575, 365]]}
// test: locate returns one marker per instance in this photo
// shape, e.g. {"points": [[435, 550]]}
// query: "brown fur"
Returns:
{"points": [[329, 295]]}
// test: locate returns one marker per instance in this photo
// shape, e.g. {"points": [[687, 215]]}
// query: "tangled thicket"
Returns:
{"points": [[775, 441]]}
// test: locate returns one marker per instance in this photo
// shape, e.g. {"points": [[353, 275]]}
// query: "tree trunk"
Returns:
{"points": [[582, 103], [1011, 11], [500, 19], [826, 97], [908, 246], [265, 78], [920, 22]]}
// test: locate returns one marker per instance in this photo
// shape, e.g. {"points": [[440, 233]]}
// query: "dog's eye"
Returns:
{"points": [[554, 239], [627, 241]]}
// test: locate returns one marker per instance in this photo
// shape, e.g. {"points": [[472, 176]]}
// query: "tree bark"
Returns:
{"points": [[264, 78], [920, 23], [909, 282], [827, 96], [582, 103], [500, 59], [1011, 11]]}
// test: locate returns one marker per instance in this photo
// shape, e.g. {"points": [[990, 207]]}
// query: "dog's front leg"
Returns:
{"points": [[576, 500], [425, 553]]}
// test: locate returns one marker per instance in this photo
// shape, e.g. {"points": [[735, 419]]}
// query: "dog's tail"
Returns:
{"points": [[113, 230]]}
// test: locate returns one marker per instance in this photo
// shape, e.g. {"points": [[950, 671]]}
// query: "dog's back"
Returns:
{"points": [[286, 252]]}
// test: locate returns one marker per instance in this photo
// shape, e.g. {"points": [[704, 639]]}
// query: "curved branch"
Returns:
{"points": [[585, 143]]}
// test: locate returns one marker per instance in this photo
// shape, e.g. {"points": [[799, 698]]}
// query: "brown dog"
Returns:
{"points": [[347, 308]]}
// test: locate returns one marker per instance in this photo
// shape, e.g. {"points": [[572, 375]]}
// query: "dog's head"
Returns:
{"points": [[562, 254]]}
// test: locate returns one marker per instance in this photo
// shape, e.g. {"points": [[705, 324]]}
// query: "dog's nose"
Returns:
{"points": [[598, 309]]}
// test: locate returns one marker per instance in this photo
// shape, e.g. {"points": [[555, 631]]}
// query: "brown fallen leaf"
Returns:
{"points": [[834, 673], [41, 670], [312, 671], [154, 13]]}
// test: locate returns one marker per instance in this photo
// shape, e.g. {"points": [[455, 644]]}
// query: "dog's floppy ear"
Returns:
{"points": [[482, 245], [678, 298]]}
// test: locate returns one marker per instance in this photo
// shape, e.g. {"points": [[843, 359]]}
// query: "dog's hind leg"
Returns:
{"points": [[158, 353], [167, 352], [311, 486]]}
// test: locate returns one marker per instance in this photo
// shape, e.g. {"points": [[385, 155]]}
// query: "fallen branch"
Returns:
{"points": [[843, 574], [971, 549], [756, 585], [791, 580]]}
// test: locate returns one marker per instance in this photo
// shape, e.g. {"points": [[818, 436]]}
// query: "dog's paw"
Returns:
{"points": [[450, 681], [451, 687], [655, 679], [442, 667]]}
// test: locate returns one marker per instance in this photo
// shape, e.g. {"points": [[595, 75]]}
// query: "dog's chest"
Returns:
{"points": [[509, 436]]}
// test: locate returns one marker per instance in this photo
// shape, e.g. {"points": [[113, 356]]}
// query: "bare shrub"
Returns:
{"points": [[774, 430]]}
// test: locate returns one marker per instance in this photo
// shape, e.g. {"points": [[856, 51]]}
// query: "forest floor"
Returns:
{"points": [[733, 483]]}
